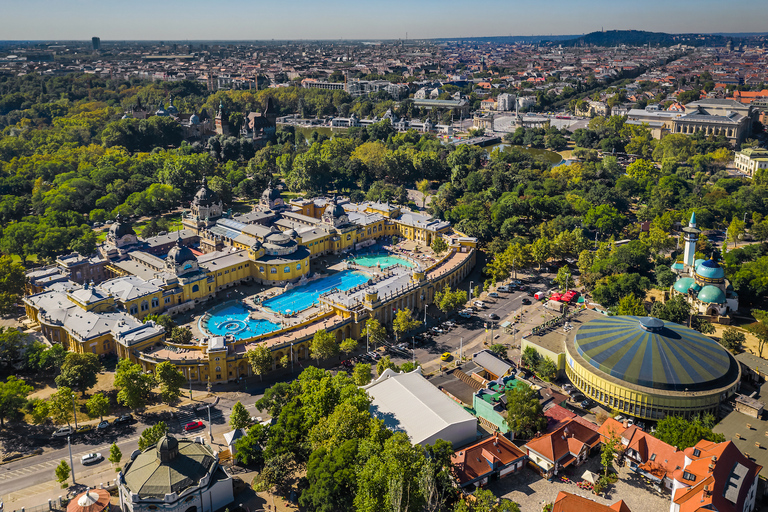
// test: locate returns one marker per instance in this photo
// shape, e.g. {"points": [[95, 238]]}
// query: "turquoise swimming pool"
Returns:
{"points": [[383, 259], [302, 297], [234, 319]]}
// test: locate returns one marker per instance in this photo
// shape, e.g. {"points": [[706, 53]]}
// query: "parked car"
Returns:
{"points": [[84, 428], [494, 295], [104, 425], [125, 418], [586, 404], [526, 301], [64, 432], [193, 425], [446, 356], [578, 397], [466, 313], [568, 388], [437, 330], [91, 458], [479, 304], [494, 316], [504, 288]]}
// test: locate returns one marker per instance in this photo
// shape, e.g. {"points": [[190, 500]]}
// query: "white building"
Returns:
{"points": [[749, 160], [505, 102], [176, 475], [407, 402]]}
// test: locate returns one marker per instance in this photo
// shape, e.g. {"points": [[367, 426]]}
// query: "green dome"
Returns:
{"points": [[698, 262], [656, 354], [710, 270], [711, 295], [682, 284]]}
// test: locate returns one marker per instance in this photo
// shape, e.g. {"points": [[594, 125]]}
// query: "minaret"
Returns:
{"points": [[691, 236]]}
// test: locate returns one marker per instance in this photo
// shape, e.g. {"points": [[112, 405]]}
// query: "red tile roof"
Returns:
{"points": [[572, 435], [475, 461], [567, 502]]}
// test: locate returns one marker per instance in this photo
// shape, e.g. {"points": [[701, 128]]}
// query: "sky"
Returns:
{"points": [[364, 19]]}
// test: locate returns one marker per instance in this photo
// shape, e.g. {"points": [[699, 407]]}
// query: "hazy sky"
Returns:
{"points": [[364, 19]]}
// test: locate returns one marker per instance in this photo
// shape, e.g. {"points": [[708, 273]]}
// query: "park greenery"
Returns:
{"points": [[686, 432]]}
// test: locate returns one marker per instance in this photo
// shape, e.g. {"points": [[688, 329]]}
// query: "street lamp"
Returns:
{"points": [[74, 409], [470, 290], [71, 463]]}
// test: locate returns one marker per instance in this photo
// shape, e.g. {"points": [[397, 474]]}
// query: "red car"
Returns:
{"points": [[570, 296], [194, 425]]}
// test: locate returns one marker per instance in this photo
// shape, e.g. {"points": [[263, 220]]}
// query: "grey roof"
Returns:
{"points": [[148, 477], [186, 236], [128, 288], [254, 216], [214, 261], [408, 402], [491, 363]]}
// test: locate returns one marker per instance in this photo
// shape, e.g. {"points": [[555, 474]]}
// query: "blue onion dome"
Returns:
{"points": [[193, 119], [711, 295], [683, 284], [654, 353], [710, 270]]}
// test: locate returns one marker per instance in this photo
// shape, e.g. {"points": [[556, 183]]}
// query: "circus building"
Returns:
{"points": [[649, 368]]}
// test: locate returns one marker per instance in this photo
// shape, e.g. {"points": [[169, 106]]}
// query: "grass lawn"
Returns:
{"points": [[31, 258]]}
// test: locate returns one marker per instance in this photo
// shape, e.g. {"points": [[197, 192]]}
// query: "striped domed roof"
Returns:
{"points": [[653, 353]]}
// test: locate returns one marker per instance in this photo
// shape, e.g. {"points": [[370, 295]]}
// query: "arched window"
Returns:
{"points": [[261, 269], [155, 302], [134, 309], [298, 266], [287, 270], [273, 270], [218, 368], [144, 305], [195, 288]]}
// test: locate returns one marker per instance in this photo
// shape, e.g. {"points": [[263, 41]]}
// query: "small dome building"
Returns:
{"points": [[179, 475], [206, 205], [703, 282], [649, 368], [271, 198], [121, 233], [181, 260]]}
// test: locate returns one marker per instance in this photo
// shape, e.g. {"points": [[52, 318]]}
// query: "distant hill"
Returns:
{"points": [[642, 38]]}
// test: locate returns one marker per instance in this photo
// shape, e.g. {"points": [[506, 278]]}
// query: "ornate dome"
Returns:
{"points": [[205, 197], [172, 108], [167, 448], [710, 270], [711, 295], [270, 194], [193, 119], [120, 228], [180, 253], [683, 284], [653, 353], [281, 239]]}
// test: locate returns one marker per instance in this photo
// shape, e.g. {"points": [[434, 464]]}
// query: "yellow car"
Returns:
{"points": [[446, 356]]}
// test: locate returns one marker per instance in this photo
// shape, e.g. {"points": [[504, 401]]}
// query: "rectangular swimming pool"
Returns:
{"points": [[302, 297]]}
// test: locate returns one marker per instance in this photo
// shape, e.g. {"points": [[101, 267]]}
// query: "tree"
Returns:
{"points": [[323, 345], [115, 455], [133, 384], [499, 350], [546, 369], [348, 346], [12, 346], [760, 330], [170, 380], [52, 359], [677, 309], [609, 450], [424, 187], [260, 359], [13, 396], [375, 331], [686, 432], [151, 435], [98, 406], [404, 322], [239, 418], [361, 374], [563, 279], [439, 245], [11, 284], [181, 335], [484, 500], [275, 474], [736, 230], [79, 371], [249, 447], [384, 364], [332, 477], [60, 406], [629, 305], [525, 416], [530, 358], [63, 472], [732, 339], [447, 300]]}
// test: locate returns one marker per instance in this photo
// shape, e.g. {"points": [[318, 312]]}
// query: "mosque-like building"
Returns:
{"points": [[96, 304], [703, 282]]}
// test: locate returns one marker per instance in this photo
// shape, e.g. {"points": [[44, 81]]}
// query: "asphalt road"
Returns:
{"points": [[29, 472]]}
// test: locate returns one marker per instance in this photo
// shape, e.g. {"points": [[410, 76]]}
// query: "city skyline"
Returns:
{"points": [[343, 19]]}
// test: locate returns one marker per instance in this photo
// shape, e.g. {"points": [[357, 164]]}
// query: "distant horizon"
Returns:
{"points": [[303, 20], [363, 40]]}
